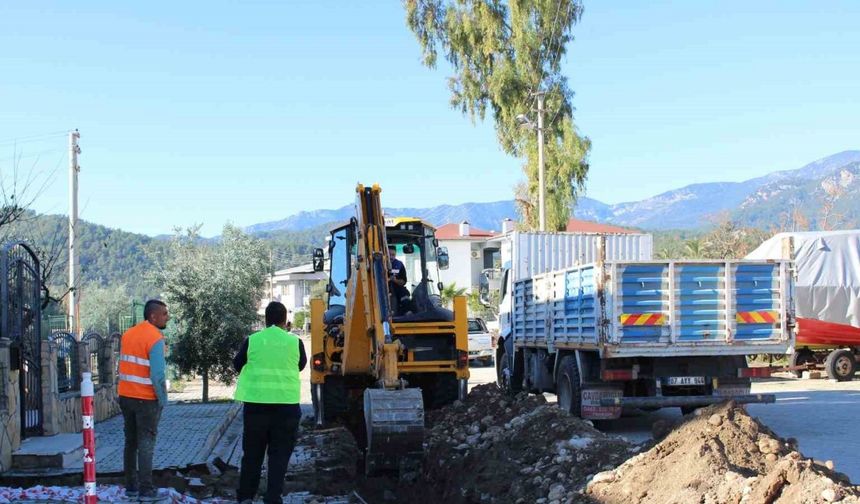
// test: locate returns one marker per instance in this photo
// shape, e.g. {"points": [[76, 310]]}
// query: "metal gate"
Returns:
{"points": [[20, 321]]}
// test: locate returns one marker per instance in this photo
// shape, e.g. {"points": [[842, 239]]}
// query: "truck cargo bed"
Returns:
{"points": [[658, 308]]}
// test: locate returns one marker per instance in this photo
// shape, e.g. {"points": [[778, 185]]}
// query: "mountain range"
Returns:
{"points": [[821, 195], [760, 201]]}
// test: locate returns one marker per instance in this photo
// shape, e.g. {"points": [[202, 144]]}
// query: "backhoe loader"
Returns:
{"points": [[378, 359]]}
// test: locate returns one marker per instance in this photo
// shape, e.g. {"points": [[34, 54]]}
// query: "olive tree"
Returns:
{"points": [[213, 291]]}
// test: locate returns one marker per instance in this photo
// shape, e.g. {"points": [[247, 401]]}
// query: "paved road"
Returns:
{"points": [[823, 416], [185, 436]]}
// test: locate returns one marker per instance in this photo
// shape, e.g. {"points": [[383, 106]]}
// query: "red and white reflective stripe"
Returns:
{"points": [[87, 393]]}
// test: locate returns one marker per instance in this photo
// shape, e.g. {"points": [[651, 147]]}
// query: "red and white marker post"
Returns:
{"points": [[89, 432]]}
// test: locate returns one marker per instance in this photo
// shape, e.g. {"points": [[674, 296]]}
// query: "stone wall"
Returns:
{"points": [[60, 412], [10, 415], [49, 388]]}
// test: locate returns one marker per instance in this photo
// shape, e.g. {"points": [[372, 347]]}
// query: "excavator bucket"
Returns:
{"points": [[395, 428]]}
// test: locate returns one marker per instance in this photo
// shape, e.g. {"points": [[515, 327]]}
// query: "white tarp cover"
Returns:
{"points": [[828, 273]]}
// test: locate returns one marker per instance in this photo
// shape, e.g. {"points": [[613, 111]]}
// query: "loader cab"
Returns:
{"points": [[416, 247], [341, 255]]}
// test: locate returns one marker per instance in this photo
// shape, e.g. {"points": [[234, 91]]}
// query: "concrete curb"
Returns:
{"points": [[214, 436]]}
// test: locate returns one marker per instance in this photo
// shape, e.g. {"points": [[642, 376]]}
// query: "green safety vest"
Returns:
{"points": [[271, 375]]}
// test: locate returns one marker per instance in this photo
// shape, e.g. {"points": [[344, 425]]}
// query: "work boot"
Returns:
{"points": [[132, 495]]}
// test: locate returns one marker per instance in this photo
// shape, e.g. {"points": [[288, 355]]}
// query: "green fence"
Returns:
{"points": [[55, 323], [133, 318], [52, 324]]}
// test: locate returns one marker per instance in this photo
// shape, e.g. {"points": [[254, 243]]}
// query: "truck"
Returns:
{"points": [[595, 320], [828, 299]]}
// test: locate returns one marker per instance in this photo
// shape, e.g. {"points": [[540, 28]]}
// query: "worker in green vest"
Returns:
{"points": [[268, 363]]}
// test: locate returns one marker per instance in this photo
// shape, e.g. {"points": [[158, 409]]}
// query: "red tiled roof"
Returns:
{"points": [[581, 226], [452, 232]]}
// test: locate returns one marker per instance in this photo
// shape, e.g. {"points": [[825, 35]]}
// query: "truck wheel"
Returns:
{"points": [[840, 365], [509, 379], [568, 386], [801, 358]]}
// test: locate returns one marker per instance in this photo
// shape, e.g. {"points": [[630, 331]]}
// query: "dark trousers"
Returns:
{"points": [[141, 426], [402, 302], [272, 428]]}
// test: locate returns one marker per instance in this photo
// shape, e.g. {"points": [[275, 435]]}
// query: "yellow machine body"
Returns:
{"points": [[376, 357]]}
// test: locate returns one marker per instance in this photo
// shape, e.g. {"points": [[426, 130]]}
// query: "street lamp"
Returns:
{"points": [[527, 123]]}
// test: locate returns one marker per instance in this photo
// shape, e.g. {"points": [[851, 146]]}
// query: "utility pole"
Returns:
{"points": [[271, 275], [74, 265], [541, 169]]}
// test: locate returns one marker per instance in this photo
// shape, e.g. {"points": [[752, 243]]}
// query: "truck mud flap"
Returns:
{"points": [[600, 403], [703, 400]]}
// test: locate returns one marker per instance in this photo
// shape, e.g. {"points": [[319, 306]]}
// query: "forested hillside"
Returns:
{"points": [[112, 257]]}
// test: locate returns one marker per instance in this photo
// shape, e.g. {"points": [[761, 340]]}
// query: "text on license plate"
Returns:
{"points": [[685, 380]]}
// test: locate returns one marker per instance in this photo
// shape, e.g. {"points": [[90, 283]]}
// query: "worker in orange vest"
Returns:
{"points": [[142, 396]]}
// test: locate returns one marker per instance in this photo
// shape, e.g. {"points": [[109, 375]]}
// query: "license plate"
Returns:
{"points": [[674, 381]]}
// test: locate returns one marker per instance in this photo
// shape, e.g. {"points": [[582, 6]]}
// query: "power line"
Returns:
{"points": [[33, 154], [32, 138]]}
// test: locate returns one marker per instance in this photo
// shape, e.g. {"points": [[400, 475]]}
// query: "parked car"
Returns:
{"points": [[482, 344]]}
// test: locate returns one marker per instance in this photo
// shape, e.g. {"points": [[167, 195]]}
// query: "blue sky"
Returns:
{"points": [[208, 112]]}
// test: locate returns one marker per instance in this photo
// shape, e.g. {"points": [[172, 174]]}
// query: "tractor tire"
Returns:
{"points": [[335, 399], [568, 386], [441, 389], [841, 365], [799, 358]]}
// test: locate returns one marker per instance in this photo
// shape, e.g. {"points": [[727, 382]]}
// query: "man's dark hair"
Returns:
{"points": [[392, 248], [151, 306], [276, 314]]}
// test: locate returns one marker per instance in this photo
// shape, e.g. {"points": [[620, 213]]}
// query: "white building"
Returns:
{"points": [[292, 287], [469, 254], [473, 251]]}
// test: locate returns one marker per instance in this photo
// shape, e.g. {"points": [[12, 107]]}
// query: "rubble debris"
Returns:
{"points": [[496, 448], [323, 467], [722, 455], [40, 494]]}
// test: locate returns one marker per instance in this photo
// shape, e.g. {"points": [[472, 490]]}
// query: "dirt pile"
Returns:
{"points": [[496, 448], [323, 462], [722, 455]]}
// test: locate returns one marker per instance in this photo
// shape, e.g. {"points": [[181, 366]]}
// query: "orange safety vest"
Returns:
{"points": [[134, 379]]}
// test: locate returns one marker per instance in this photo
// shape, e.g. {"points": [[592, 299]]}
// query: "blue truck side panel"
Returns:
{"points": [[697, 305], [642, 288]]}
